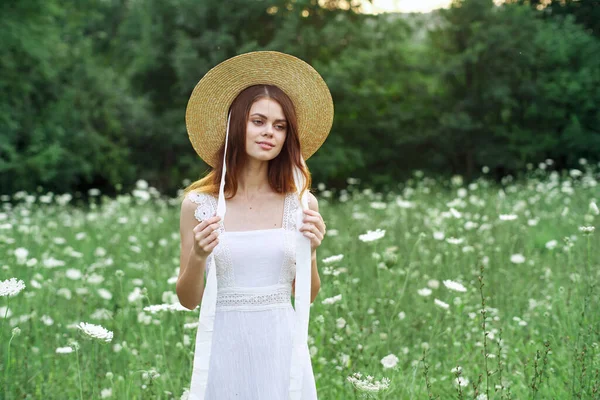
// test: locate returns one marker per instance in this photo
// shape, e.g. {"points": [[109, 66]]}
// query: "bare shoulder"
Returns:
{"points": [[189, 205], [313, 203]]}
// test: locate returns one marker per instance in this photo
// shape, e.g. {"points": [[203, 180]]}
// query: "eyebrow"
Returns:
{"points": [[277, 120]]}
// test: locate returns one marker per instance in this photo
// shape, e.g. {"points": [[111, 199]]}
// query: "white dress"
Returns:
{"points": [[254, 319]]}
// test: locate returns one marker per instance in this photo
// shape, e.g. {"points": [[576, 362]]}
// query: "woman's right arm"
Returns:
{"points": [[197, 242]]}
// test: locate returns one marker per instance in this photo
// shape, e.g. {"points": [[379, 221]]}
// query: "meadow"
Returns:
{"points": [[440, 289]]}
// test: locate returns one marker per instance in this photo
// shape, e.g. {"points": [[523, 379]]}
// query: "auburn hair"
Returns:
{"points": [[280, 169]]}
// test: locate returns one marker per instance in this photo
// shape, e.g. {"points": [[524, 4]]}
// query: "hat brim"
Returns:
{"points": [[206, 112]]}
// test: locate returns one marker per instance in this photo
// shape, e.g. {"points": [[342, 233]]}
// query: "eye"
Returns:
{"points": [[282, 127], [257, 120]]}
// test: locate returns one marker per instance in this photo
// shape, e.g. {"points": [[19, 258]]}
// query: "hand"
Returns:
{"points": [[206, 236], [314, 228]]}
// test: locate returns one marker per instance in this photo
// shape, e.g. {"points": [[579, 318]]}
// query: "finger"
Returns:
{"points": [[314, 221], [213, 244], [210, 229], [200, 227], [318, 233], [316, 218], [314, 239], [208, 239], [314, 229], [322, 224], [308, 234], [308, 211], [313, 235], [311, 218]]}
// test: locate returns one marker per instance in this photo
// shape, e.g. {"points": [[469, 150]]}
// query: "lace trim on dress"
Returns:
{"points": [[252, 300], [288, 272]]}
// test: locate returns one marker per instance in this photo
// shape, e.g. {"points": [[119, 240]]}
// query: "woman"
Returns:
{"points": [[251, 343]]}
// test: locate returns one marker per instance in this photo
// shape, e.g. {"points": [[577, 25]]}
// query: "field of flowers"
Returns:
{"points": [[441, 289]]}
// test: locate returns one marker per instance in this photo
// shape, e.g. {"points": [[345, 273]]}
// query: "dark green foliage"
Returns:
{"points": [[94, 93]]}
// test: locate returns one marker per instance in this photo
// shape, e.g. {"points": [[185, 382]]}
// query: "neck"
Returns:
{"points": [[254, 179]]}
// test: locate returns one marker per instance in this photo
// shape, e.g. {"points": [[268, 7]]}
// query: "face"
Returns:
{"points": [[266, 123]]}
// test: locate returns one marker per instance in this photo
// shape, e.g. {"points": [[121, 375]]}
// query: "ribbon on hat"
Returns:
{"points": [[301, 293], [301, 298]]}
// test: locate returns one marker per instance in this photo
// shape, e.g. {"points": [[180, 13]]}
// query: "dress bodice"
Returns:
{"points": [[254, 267]]}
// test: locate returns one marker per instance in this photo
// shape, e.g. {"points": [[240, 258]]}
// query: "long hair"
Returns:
{"points": [[280, 169]]}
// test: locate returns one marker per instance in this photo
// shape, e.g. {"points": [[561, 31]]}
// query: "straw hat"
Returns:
{"points": [[208, 106]]}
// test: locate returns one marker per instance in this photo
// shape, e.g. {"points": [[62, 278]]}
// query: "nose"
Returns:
{"points": [[268, 129]]}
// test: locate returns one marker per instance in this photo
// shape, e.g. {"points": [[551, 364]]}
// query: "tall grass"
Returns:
{"points": [[525, 328]]}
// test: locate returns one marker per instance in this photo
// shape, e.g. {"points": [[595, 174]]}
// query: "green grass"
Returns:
{"points": [[545, 309]]}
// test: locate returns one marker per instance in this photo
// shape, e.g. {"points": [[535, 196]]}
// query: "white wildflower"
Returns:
{"points": [[455, 213], [53, 263], [11, 287], [153, 309], [332, 300], [433, 283], [333, 259], [517, 258], [453, 240], [441, 303], [21, 253], [371, 236], [378, 205], [587, 229], [96, 331], [462, 381], [456, 369], [368, 385], [135, 295], [105, 294], [389, 361], [454, 285], [64, 350], [404, 203]]}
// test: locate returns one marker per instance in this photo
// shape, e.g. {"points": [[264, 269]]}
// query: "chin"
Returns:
{"points": [[265, 157]]}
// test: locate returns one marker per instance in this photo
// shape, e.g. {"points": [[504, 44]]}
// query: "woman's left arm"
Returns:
{"points": [[314, 229]]}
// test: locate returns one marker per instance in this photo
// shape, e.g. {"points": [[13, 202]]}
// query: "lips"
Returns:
{"points": [[266, 143]]}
